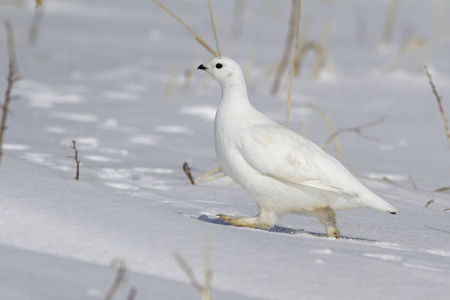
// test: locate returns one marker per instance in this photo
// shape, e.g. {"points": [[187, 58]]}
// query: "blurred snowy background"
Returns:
{"points": [[119, 77]]}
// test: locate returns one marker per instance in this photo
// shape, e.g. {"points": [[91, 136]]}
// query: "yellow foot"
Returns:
{"points": [[251, 222]]}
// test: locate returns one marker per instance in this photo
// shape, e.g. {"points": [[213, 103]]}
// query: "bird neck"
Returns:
{"points": [[235, 96]]}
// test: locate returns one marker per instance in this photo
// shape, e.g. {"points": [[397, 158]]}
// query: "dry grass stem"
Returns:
{"points": [[188, 271], [77, 161], [429, 202], [412, 181], [319, 49], [216, 177], [337, 144], [5, 107], [205, 289], [33, 35], [389, 23], [118, 280], [214, 27], [291, 80], [187, 170], [319, 52], [187, 80], [357, 130], [384, 178], [189, 73], [442, 189], [132, 293], [34, 28], [11, 79], [11, 43], [287, 48], [327, 118], [441, 109], [415, 43], [219, 169], [441, 9], [38, 3], [197, 37], [446, 209]]}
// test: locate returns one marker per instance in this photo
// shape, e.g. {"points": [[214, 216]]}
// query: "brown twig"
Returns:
{"points": [[120, 278], [429, 202], [356, 130], [187, 170], [412, 181], [11, 79], [5, 107], [441, 109], [74, 147]]}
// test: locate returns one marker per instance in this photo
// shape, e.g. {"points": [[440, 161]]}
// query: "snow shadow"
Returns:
{"points": [[285, 230]]}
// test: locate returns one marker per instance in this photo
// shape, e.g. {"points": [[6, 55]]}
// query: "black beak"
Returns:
{"points": [[202, 67]]}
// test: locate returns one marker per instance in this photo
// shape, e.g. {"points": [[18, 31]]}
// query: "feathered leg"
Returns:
{"points": [[328, 218], [264, 220]]}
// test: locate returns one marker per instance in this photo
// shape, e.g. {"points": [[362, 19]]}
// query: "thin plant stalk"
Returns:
{"points": [[11, 79], [287, 50], [389, 23], [197, 37], [288, 111], [5, 107], [441, 109], [219, 169], [214, 27]]}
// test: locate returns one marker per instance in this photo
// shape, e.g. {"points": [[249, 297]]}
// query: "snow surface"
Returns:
{"points": [[99, 75]]}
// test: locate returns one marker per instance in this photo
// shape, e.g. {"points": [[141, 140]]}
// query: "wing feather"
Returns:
{"points": [[286, 156]]}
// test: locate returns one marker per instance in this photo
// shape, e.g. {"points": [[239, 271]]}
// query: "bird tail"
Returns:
{"points": [[376, 202]]}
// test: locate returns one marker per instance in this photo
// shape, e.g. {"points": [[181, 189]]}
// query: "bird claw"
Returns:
{"points": [[225, 218], [333, 233], [251, 222]]}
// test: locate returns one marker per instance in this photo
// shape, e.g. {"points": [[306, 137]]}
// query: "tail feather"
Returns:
{"points": [[376, 202]]}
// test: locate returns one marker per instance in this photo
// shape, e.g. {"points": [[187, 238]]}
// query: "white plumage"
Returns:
{"points": [[283, 171]]}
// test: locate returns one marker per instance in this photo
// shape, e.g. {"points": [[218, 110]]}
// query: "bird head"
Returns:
{"points": [[225, 70]]}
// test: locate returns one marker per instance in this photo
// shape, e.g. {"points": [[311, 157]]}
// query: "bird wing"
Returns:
{"points": [[284, 155]]}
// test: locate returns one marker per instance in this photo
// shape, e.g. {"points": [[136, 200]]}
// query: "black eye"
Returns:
{"points": [[219, 66]]}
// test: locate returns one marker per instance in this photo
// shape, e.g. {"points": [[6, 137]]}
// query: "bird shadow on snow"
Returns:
{"points": [[285, 230]]}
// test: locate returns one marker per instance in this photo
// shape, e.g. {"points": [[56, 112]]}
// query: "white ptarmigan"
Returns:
{"points": [[283, 171]]}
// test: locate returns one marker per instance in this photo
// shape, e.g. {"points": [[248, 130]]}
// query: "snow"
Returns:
{"points": [[99, 74]]}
